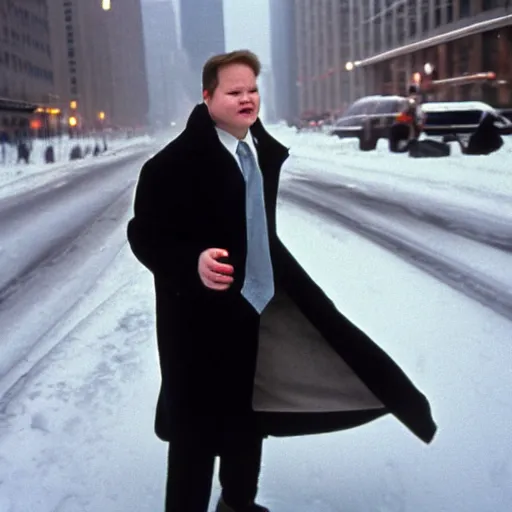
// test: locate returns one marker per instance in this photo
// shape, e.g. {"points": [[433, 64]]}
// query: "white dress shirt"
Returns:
{"points": [[230, 142]]}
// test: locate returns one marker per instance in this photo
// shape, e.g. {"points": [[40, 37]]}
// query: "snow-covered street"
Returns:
{"points": [[416, 252]]}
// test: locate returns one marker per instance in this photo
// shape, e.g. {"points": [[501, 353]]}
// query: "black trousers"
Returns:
{"points": [[229, 430], [191, 467]]}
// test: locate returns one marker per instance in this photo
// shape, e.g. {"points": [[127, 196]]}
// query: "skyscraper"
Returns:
{"points": [[202, 35], [99, 62], [284, 59], [162, 59], [26, 68]]}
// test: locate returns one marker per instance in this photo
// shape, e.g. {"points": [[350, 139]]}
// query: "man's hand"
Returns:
{"points": [[213, 274]]}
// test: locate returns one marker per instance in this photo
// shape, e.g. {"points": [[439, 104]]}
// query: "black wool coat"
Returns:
{"points": [[312, 370]]}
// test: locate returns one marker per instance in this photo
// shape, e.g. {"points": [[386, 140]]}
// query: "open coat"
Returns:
{"points": [[315, 371]]}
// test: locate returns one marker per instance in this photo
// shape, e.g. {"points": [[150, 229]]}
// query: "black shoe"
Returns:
{"points": [[222, 506]]}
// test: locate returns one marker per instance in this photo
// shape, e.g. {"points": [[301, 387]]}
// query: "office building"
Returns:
{"points": [[26, 69], [202, 35], [284, 57], [162, 59], [351, 48], [99, 62]]}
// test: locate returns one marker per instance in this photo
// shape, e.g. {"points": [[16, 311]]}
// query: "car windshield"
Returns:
{"points": [[471, 117]]}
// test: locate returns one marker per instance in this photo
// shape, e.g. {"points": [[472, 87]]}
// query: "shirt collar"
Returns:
{"points": [[231, 142]]}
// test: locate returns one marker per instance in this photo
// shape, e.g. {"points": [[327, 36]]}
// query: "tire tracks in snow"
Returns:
{"points": [[108, 238], [433, 248], [367, 171], [15, 387], [481, 227], [34, 212]]}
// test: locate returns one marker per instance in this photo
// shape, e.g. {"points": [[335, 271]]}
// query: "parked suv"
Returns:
{"points": [[369, 119]]}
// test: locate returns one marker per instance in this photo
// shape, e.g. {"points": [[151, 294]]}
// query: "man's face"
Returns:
{"points": [[235, 104]]}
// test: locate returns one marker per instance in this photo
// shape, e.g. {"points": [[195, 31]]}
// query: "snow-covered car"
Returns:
{"points": [[462, 117]]}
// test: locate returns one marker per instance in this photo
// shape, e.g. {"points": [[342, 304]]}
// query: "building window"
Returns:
{"points": [[425, 21], [487, 5], [412, 13], [401, 25], [449, 12], [438, 14], [464, 8], [390, 29]]}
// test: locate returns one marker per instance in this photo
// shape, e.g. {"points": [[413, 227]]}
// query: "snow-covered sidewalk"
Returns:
{"points": [[18, 178]]}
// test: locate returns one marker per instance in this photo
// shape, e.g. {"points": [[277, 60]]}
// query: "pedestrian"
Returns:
{"points": [[249, 345]]}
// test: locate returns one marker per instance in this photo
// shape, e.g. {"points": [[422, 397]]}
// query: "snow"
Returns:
{"points": [[78, 435], [16, 178], [448, 179]]}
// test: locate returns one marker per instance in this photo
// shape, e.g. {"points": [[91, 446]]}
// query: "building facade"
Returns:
{"points": [[351, 48], [284, 47], [99, 63], [202, 35], [160, 34], [324, 34], [455, 36], [26, 67]]}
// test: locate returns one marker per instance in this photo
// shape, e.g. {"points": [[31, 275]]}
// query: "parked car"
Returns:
{"points": [[369, 119], [461, 117], [372, 117]]}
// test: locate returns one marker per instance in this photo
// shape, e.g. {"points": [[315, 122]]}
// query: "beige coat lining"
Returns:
{"points": [[298, 371]]}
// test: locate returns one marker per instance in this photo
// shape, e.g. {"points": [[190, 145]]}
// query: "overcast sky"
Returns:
{"points": [[247, 25]]}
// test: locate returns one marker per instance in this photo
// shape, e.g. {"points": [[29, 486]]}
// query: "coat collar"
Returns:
{"points": [[200, 126]]}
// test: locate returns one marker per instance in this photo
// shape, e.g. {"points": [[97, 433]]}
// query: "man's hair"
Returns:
{"points": [[215, 63]]}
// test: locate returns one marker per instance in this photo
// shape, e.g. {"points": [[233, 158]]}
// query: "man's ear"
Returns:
{"points": [[206, 96]]}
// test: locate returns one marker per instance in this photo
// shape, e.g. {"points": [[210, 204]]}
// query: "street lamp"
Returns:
{"points": [[106, 5], [350, 66]]}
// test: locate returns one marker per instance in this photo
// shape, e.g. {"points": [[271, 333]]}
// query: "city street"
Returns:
{"points": [[396, 199], [416, 255]]}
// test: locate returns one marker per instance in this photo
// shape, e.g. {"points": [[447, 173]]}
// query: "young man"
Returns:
{"points": [[195, 193], [248, 343]]}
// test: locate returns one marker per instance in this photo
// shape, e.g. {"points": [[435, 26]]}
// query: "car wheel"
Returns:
{"points": [[368, 138], [399, 138]]}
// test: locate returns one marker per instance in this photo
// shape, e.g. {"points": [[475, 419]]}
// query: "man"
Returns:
{"points": [[249, 345]]}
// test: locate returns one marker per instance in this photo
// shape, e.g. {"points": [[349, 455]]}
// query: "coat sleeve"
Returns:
{"points": [[162, 232]]}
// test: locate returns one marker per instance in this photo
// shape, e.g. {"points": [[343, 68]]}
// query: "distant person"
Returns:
{"points": [[249, 345], [23, 152], [415, 111], [4, 140]]}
